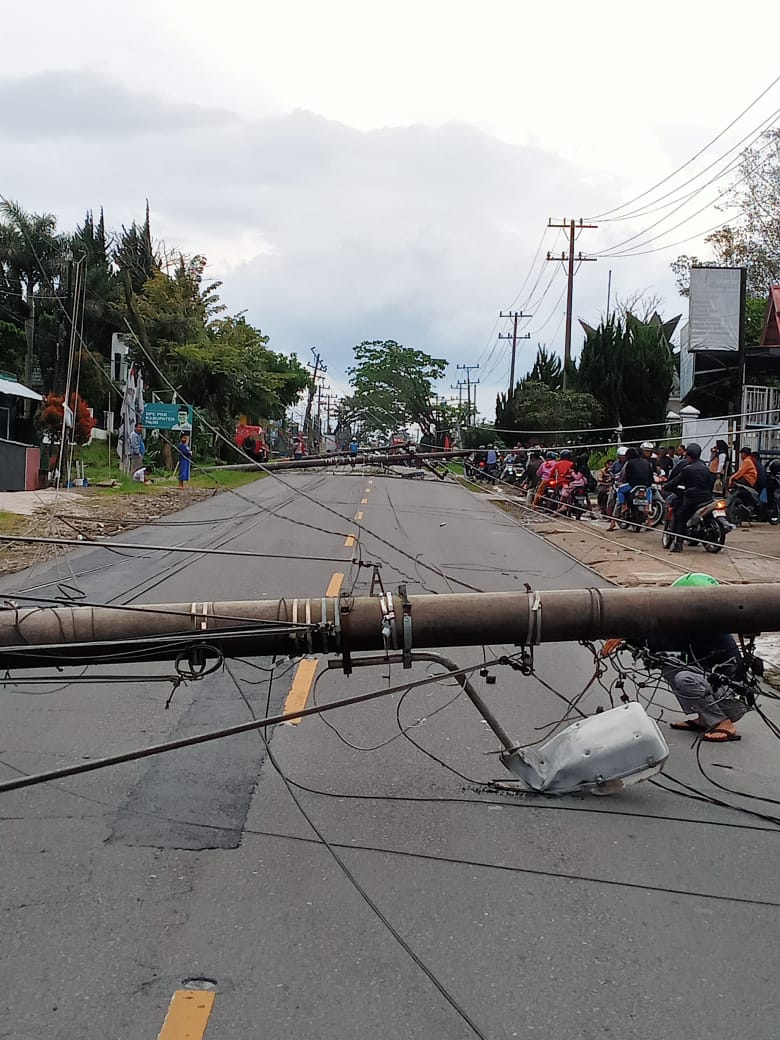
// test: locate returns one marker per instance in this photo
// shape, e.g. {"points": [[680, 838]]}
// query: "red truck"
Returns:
{"points": [[251, 440]]}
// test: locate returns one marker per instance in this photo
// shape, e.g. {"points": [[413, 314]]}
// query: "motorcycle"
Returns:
{"points": [[744, 505], [637, 511], [708, 526], [512, 473]]}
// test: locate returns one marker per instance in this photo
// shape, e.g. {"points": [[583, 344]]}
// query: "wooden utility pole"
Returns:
{"points": [[569, 260], [516, 316]]}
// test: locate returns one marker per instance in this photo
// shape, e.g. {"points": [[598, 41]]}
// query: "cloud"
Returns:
{"points": [[326, 235], [82, 104]]}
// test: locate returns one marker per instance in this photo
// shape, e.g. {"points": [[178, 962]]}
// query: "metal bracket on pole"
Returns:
{"points": [[407, 626], [376, 579], [534, 620], [345, 611]]}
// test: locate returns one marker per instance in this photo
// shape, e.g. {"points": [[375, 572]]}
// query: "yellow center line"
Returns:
{"points": [[364, 501], [350, 541], [367, 491], [359, 515], [334, 585], [303, 680], [188, 1015]]}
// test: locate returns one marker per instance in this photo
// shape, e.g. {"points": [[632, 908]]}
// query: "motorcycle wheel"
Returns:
{"points": [[656, 512], [667, 536], [712, 535]]}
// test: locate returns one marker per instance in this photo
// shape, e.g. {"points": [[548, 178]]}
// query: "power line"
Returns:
{"points": [[665, 180]]}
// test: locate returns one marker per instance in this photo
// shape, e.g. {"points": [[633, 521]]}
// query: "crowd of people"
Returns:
{"points": [[554, 478]]}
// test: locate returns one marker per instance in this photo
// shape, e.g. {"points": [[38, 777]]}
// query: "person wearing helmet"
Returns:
{"points": [[696, 481], [707, 674], [544, 476], [637, 471]]}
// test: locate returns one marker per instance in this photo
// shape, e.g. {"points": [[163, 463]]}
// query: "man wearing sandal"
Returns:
{"points": [[698, 671]]}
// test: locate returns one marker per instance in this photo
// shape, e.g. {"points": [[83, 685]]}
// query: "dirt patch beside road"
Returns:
{"points": [[87, 515], [632, 560]]}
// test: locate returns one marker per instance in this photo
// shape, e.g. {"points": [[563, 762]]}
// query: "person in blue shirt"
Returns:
{"points": [[185, 459], [137, 448], [354, 447]]}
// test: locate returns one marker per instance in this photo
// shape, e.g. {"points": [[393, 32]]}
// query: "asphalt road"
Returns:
{"points": [[333, 891]]}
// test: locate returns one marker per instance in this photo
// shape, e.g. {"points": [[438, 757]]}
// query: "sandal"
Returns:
{"points": [[720, 736], [689, 724]]}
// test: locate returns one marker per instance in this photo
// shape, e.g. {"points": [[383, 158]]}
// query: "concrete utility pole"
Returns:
{"points": [[320, 388], [572, 225], [516, 316], [468, 369], [317, 367], [38, 637]]}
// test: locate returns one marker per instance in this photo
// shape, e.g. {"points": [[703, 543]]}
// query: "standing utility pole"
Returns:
{"points": [[468, 369], [317, 367], [516, 316], [572, 225]]}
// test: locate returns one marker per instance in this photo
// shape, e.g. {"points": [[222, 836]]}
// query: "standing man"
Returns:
{"points": [[354, 448], [137, 448], [697, 482]]}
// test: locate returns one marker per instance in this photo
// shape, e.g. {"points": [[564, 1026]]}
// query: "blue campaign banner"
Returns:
{"points": [[167, 417]]}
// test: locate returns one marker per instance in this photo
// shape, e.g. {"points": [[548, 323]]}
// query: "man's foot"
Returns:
{"points": [[722, 733], [612, 526], [676, 548], [690, 724]]}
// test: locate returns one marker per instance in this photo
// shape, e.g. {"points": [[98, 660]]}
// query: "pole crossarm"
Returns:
{"points": [[47, 636]]}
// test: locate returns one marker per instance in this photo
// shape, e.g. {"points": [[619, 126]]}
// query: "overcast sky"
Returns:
{"points": [[370, 170]]}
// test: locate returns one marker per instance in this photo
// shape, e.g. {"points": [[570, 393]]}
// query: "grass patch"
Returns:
{"points": [[101, 466], [11, 523]]}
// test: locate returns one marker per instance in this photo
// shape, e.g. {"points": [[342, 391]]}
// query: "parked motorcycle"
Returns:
{"points": [[512, 473], [744, 505], [708, 526]]}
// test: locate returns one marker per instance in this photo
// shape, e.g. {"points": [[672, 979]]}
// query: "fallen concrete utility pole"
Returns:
{"points": [[363, 459], [47, 636]]}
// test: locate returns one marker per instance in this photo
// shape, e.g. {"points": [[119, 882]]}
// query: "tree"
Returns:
{"points": [[753, 240], [50, 417], [547, 369], [628, 367], [393, 386], [535, 407], [31, 254]]}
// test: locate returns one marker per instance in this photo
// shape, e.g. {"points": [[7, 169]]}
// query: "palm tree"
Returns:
{"points": [[31, 253]]}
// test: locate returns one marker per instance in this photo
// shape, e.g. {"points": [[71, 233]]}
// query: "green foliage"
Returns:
{"points": [[535, 407], [629, 369], [393, 387], [755, 309], [547, 369]]}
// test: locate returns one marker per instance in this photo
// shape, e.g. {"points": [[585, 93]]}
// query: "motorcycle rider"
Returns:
{"points": [[699, 671], [696, 480], [544, 476], [638, 470], [747, 474]]}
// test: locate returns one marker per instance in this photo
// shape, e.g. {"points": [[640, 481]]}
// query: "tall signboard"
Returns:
{"points": [[715, 309]]}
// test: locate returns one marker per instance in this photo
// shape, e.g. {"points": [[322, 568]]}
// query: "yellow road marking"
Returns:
{"points": [[367, 491], [371, 482], [364, 501], [359, 515], [334, 585], [188, 1015], [349, 541], [303, 680]]}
